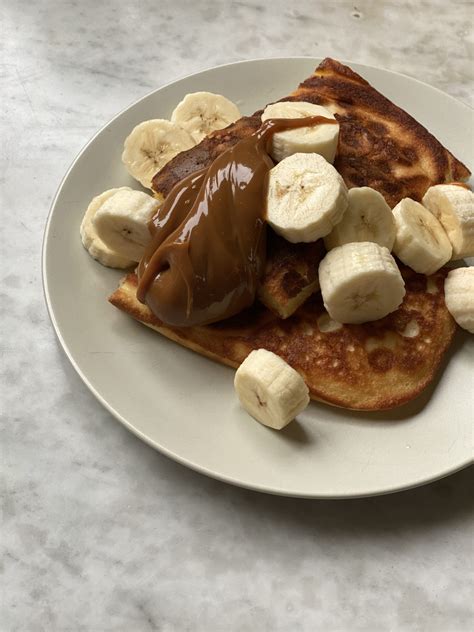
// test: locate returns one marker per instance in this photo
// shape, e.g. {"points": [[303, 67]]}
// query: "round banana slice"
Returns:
{"points": [[91, 240], [420, 242], [150, 146], [360, 282], [306, 198], [368, 217], [122, 222], [453, 206], [270, 389], [201, 113], [459, 296], [320, 139]]}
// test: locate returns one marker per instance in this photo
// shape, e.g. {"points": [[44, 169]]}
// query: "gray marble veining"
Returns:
{"points": [[99, 531]]}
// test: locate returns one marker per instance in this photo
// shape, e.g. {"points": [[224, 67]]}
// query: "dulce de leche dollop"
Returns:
{"points": [[207, 251]]}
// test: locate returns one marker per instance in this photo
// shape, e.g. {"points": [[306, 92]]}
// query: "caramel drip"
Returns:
{"points": [[207, 251]]}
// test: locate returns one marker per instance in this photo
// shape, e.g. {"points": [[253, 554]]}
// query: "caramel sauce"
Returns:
{"points": [[207, 251]]}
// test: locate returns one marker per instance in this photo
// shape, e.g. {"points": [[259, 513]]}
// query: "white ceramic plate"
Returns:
{"points": [[184, 405]]}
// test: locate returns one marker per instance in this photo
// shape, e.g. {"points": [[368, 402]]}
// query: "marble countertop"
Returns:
{"points": [[99, 531]]}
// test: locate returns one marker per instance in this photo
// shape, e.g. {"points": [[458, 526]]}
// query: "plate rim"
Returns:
{"points": [[196, 467]]}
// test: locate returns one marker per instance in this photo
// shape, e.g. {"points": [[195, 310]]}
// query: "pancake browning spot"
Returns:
{"points": [[381, 360]]}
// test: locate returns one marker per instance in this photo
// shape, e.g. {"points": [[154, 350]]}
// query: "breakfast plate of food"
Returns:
{"points": [[262, 270]]}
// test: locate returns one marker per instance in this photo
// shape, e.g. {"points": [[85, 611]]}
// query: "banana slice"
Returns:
{"points": [[420, 241], [91, 240], [459, 296], [320, 139], [306, 198], [150, 146], [201, 113], [122, 222], [368, 217], [360, 282], [453, 206], [270, 389]]}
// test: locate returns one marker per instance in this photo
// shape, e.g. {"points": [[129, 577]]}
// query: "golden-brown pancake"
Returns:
{"points": [[373, 366]]}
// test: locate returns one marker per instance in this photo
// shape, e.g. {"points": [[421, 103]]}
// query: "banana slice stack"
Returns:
{"points": [[153, 143]]}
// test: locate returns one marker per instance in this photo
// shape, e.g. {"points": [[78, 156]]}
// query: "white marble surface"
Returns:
{"points": [[99, 531]]}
